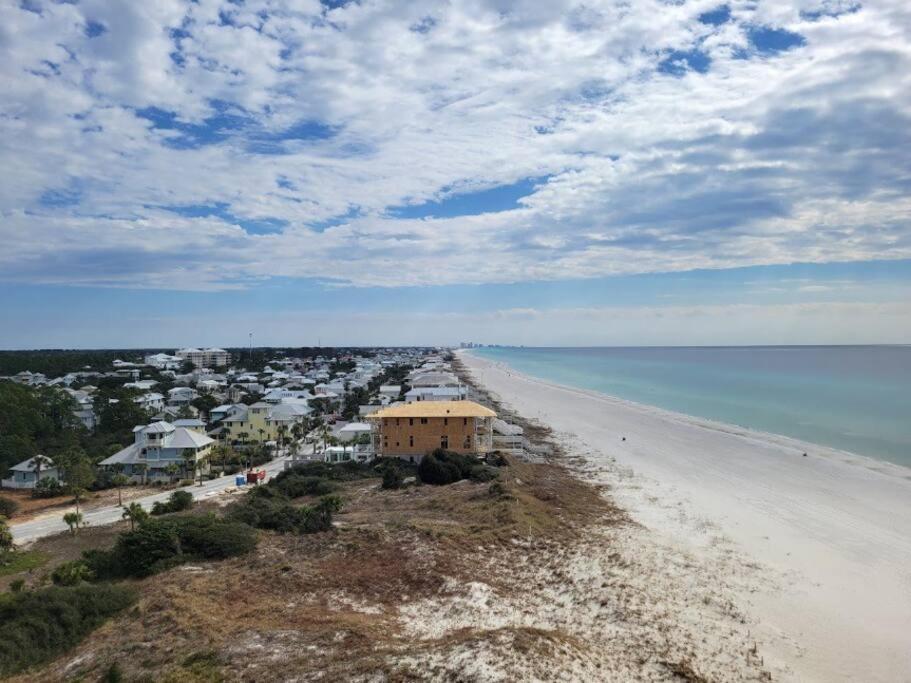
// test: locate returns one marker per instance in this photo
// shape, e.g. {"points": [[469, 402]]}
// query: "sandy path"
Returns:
{"points": [[830, 532]]}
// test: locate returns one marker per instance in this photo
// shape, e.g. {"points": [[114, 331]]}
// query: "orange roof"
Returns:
{"points": [[434, 409]]}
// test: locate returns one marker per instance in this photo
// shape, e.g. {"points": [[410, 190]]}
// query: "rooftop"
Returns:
{"points": [[435, 409]]}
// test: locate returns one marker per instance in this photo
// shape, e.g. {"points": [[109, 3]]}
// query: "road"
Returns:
{"points": [[52, 523]]}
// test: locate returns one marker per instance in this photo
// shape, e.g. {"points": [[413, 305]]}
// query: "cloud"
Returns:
{"points": [[665, 137]]}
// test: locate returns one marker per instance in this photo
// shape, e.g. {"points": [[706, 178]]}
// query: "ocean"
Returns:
{"points": [[855, 398]]}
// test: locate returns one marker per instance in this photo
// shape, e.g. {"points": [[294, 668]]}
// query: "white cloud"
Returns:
{"points": [[796, 156]]}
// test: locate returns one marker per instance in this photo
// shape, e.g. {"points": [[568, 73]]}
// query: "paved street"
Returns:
{"points": [[52, 523]]}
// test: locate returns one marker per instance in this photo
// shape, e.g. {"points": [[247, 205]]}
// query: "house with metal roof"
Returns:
{"points": [[28, 473], [157, 447]]}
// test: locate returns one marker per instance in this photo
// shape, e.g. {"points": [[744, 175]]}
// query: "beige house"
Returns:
{"points": [[413, 430]]}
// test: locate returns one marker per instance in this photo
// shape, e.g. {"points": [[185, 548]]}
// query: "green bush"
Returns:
{"points": [[278, 514], [36, 626], [446, 467], [295, 485], [48, 488], [7, 507], [160, 544], [210, 538], [393, 478], [72, 573], [177, 502]]}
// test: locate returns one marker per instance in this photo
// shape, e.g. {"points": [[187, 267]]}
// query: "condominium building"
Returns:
{"points": [[204, 358]]}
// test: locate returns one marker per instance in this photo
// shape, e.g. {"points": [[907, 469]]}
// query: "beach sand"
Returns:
{"points": [[816, 549]]}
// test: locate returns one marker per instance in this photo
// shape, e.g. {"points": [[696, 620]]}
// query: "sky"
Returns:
{"points": [[498, 171]]}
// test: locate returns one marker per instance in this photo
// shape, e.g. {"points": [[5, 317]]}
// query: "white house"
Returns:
{"points": [[390, 390], [353, 430], [26, 475], [436, 394], [179, 396], [163, 361], [159, 445], [152, 401], [434, 379]]}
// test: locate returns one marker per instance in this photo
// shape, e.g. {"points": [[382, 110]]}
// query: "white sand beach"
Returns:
{"points": [[822, 543]]}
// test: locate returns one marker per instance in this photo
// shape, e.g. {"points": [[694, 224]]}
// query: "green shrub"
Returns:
{"points": [[210, 538], [160, 544], [6, 536], [37, 626], [72, 573], [177, 502], [296, 485], [393, 478], [278, 514], [48, 488], [319, 517], [8, 506], [446, 467]]}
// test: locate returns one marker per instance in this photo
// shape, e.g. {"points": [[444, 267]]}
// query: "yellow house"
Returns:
{"points": [[261, 422]]}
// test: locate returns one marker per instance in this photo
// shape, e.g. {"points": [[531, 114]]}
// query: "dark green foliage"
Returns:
{"points": [[393, 478], [157, 545], [178, 502], [275, 512], [210, 538], [113, 674], [295, 485], [36, 626], [72, 573], [48, 488], [7, 507], [446, 467]]}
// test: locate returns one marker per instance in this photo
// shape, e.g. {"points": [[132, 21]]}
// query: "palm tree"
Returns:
{"points": [[143, 469], [261, 433], [120, 480], [73, 520], [201, 466], [135, 513], [243, 436], [38, 463], [171, 470], [189, 463]]}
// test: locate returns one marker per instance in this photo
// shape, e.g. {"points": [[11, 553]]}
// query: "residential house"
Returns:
{"points": [[181, 396], [434, 379], [153, 402], [26, 474], [159, 446], [436, 394], [163, 361], [412, 430], [263, 422]]}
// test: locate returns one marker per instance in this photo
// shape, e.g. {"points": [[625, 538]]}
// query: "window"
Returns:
{"points": [[467, 443], [396, 422], [410, 421], [445, 421], [396, 444], [444, 441], [423, 420], [411, 441], [465, 421]]}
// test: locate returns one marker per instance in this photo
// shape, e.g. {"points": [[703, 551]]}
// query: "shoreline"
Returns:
{"points": [[799, 446], [825, 540]]}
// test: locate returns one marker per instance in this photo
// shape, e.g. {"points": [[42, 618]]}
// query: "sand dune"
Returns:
{"points": [[824, 539]]}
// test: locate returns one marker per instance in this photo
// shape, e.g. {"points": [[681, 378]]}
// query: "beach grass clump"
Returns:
{"points": [[36, 626]]}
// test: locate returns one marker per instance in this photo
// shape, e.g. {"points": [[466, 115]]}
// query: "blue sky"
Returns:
{"points": [[507, 171]]}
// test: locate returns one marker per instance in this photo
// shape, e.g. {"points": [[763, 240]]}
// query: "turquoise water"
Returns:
{"points": [[856, 398]]}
